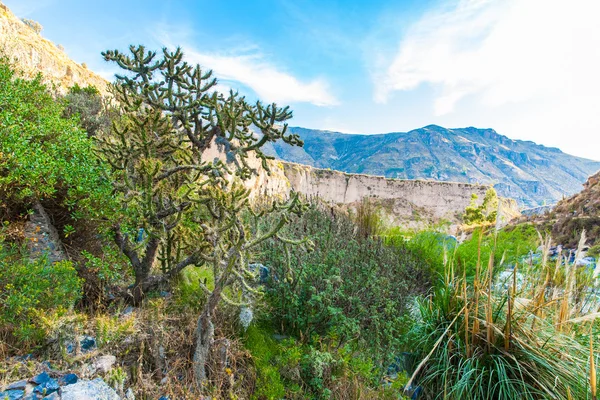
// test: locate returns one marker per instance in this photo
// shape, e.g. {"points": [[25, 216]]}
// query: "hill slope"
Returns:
{"points": [[33, 54], [530, 173]]}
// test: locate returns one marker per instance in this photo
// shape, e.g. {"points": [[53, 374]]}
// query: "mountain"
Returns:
{"points": [[530, 173]]}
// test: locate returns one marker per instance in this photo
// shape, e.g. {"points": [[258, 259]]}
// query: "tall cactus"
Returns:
{"points": [[170, 115]]}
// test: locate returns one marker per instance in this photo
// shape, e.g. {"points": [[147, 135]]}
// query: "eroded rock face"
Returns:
{"points": [[34, 54]]}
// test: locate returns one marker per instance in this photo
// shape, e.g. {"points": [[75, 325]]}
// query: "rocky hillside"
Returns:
{"points": [[581, 211], [530, 173], [33, 54]]}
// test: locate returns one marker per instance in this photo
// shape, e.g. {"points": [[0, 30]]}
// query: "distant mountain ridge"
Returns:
{"points": [[530, 173]]}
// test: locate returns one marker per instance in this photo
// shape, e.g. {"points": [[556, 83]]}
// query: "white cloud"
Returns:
{"points": [[269, 83], [503, 50]]}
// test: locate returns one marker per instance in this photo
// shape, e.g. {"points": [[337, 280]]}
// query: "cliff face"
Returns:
{"points": [[409, 203], [530, 173], [33, 54]]}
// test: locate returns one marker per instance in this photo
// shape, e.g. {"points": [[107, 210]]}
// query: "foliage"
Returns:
{"points": [[350, 290], [509, 246], [36, 26], [29, 288], [368, 218], [88, 105], [485, 213], [264, 350], [42, 154], [485, 341]]}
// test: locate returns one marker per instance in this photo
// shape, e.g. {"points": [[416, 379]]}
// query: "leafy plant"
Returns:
{"points": [[350, 290], [29, 287], [42, 154]]}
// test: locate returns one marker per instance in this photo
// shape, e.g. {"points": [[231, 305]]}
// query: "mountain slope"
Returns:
{"points": [[530, 173], [33, 54]]}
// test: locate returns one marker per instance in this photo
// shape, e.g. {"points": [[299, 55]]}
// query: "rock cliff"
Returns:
{"points": [[530, 173], [33, 54]]}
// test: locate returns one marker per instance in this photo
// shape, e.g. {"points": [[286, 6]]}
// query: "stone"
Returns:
{"points": [[41, 378], [20, 385], [67, 379], [104, 364], [53, 396], [88, 343], [48, 387], [12, 395], [89, 390]]}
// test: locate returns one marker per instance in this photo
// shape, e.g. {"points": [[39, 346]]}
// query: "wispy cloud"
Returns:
{"points": [[269, 83], [500, 50], [247, 66]]}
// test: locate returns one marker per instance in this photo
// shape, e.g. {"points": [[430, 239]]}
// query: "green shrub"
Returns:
{"points": [[350, 290], [264, 351], [509, 246], [29, 288], [42, 154]]}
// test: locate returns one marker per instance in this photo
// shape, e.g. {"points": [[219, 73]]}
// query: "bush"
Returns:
{"points": [[30, 288], [509, 246], [36, 26], [350, 291], [42, 154], [87, 104]]}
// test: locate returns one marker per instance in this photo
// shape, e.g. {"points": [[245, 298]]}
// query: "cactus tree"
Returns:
{"points": [[171, 115]]}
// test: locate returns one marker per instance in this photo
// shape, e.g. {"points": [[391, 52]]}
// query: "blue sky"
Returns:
{"points": [[527, 68]]}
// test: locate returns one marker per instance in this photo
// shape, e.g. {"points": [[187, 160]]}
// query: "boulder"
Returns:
{"points": [[89, 390]]}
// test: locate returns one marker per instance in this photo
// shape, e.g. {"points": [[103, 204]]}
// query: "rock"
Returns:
{"points": [[41, 378], [104, 364], [20, 385], [163, 398], [68, 379], [89, 390], [48, 387], [53, 396], [12, 395], [88, 343]]}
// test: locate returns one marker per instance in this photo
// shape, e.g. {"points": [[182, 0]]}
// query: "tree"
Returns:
{"points": [[487, 212], [188, 207]]}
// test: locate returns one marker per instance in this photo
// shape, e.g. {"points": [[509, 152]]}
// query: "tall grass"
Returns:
{"points": [[487, 340]]}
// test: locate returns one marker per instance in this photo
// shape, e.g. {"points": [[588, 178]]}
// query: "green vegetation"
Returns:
{"points": [[30, 290], [480, 341], [486, 212], [42, 154]]}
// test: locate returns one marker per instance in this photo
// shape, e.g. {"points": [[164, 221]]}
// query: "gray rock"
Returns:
{"points": [[104, 364], [46, 388], [53, 396], [89, 390], [41, 378]]}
